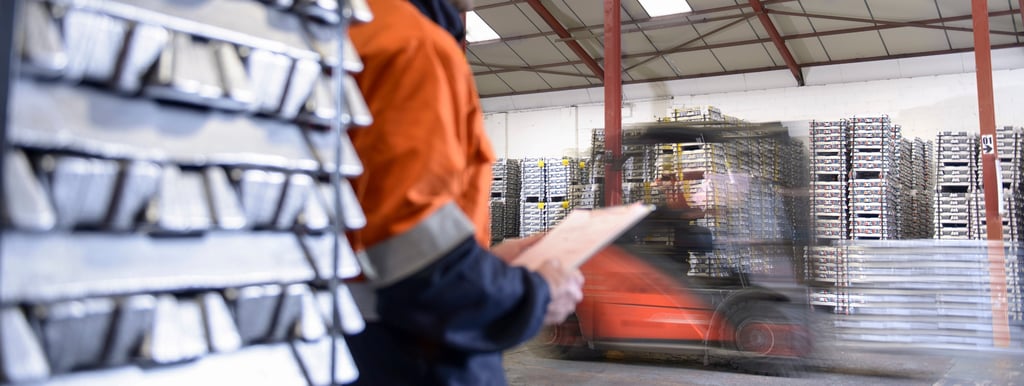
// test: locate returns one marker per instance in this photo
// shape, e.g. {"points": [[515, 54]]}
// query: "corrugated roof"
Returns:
{"points": [[718, 37]]}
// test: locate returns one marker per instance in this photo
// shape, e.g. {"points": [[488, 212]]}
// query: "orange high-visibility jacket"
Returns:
{"points": [[426, 156]]}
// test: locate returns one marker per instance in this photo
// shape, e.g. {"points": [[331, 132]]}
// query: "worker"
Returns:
{"points": [[445, 307], [680, 215]]}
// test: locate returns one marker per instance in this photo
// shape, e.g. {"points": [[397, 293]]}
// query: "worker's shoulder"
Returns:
{"points": [[399, 27]]}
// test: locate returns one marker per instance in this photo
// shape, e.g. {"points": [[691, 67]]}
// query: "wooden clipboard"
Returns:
{"points": [[582, 234]]}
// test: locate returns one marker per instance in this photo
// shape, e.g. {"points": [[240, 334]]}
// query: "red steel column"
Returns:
{"points": [[990, 153], [613, 101]]}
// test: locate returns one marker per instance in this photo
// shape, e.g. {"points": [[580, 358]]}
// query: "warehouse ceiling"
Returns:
{"points": [[549, 45]]}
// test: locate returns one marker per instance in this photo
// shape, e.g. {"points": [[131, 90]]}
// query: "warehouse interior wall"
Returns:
{"points": [[923, 95]]}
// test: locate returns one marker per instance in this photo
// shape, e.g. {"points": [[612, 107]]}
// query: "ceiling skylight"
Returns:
{"points": [[657, 8], [477, 29]]}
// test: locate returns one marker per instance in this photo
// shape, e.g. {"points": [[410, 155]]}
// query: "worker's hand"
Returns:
{"points": [[566, 286], [510, 249]]}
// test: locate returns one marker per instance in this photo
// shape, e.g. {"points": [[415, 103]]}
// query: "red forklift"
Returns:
{"points": [[642, 297]]}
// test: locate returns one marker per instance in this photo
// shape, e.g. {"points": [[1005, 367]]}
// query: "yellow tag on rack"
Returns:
{"points": [[540, 205], [540, 163], [565, 162], [565, 204], [583, 165]]}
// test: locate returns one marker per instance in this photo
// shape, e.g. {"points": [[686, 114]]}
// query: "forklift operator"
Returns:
{"points": [[440, 307], [687, 236]]}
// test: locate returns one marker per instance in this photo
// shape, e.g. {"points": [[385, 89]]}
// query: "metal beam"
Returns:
{"points": [[990, 178], [1021, 7], [637, 27], [530, 69], [930, 24], [613, 101], [637, 55], [788, 37], [771, 68], [647, 24], [780, 44], [564, 34], [650, 80], [699, 37]]}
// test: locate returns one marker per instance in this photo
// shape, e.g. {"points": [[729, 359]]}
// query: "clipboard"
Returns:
{"points": [[582, 234]]}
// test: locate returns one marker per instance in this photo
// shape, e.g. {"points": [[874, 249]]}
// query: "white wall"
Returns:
{"points": [[924, 95]]}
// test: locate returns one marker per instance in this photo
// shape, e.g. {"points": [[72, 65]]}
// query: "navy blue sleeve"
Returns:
{"points": [[469, 300]]}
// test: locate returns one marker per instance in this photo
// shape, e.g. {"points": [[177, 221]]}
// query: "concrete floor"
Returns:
{"points": [[529, 365]]}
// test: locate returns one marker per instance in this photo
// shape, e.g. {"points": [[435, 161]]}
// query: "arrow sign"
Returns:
{"points": [[987, 144]]}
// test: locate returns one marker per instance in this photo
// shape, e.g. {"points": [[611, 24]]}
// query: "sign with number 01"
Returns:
{"points": [[987, 144]]}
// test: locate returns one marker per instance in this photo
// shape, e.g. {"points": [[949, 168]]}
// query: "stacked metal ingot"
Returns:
{"points": [[179, 243], [596, 162], [640, 163], [906, 209], [829, 206], [1008, 140], [505, 199], [956, 181], [874, 178], [548, 187], [919, 183], [588, 196], [917, 294], [830, 170], [695, 114]]}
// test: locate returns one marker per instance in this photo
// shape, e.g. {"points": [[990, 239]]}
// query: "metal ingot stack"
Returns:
{"points": [[176, 187], [920, 294], [694, 114], [547, 188], [919, 183], [505, 199], [596, 163], [830, 171], [955, 182], [592, 195], [1008, 144], [906, 209], [829, 206], [874, 182], [1008, 140]]}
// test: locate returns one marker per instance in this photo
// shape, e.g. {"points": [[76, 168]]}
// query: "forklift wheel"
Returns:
{"points": [[770, 338], [565, 341]]}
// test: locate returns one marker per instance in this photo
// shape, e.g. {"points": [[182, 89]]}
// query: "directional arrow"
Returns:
{"points": [[987, 144]]}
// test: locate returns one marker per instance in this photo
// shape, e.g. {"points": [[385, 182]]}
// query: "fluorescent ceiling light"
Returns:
{"points": [[657, 8], [477, 29]]}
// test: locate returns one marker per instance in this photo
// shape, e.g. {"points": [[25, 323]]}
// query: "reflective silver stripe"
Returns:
{"points": [[400, 256]]}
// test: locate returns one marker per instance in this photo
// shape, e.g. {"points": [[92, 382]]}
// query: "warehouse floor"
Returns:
{"points": [[528, 365]]}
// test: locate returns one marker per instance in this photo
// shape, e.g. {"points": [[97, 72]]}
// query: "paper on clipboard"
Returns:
{"points": [[582, 234]]}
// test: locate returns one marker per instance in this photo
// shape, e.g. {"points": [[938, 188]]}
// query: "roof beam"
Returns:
{"points": [[772, 68], [896, 24], [531, 69], [636, 25], [639, 81], [788, 37], [699, 37], [644, 54], [888, 26], [780, 43], [564, 34]]}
